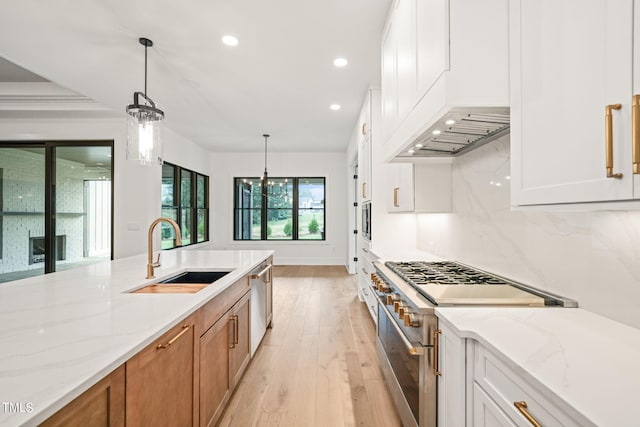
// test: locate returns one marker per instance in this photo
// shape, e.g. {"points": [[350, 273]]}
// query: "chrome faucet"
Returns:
{"points": [[150, 264]]}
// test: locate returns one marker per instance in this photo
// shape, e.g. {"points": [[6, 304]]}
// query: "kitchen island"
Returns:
{"points": [[63, 332]]}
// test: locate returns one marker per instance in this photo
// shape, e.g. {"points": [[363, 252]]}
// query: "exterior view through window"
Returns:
{"points": [[185, 199], [284, 209]]}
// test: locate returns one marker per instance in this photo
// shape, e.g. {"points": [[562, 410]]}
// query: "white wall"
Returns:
{"points": [[136, 188], [226, 166], [593, 257]]}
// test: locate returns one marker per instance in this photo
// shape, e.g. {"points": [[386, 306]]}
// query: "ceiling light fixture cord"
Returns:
{"points": [[145, 70]]}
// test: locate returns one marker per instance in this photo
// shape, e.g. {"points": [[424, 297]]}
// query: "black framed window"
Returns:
{"points": [[284, 209], [185, 199]]}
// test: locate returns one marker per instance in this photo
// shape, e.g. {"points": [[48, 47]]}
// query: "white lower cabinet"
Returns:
{"points": [[509, 390], [451, 382], [486, 412], [366, 293], [478, 388]]}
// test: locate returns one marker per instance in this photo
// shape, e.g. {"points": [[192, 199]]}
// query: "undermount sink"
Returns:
{"points": [[188, 282]]}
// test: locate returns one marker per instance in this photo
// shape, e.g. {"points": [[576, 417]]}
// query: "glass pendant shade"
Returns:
{"points": [[144, 134]]}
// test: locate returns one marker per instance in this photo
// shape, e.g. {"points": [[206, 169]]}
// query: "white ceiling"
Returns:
{"points": [[280, 79]]}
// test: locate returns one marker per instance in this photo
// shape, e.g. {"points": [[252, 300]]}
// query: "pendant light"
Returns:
{"points": [[144, 142], [265, 177]]}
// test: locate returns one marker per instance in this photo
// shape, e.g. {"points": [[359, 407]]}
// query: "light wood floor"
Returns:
{"points": [[318, 365]]}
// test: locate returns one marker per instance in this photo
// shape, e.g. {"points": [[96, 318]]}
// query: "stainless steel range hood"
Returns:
{"points": [[460, 130]]}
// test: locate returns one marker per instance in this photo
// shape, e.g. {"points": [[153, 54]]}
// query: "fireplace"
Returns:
{"points": [[37, 249]]}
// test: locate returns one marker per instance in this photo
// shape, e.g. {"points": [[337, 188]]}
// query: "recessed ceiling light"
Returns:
{"points": [[340, 62], [411, 151], [230, 40], [335, 107], [436, 132], [419, 145], [450, 122]]}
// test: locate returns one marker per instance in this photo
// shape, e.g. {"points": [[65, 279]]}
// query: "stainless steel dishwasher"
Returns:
{"points": [[261, 302]]}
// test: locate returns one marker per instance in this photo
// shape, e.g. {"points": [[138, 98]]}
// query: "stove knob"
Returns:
{"points": [[397, 305], [383, 287], [412, 320], [402, 310], [392, 298]]}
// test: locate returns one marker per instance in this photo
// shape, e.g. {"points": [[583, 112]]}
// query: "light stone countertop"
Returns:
{"points": [[61, 333], [588, 361]]}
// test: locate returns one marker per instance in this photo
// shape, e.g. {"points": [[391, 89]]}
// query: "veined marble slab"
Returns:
{"points": [[62, 332], [585, 360]]}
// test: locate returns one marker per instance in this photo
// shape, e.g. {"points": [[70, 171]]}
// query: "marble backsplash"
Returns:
{"points": [[590, 256]]}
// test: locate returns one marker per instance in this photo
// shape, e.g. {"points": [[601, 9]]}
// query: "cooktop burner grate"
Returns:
{"points": [[419, 273]]}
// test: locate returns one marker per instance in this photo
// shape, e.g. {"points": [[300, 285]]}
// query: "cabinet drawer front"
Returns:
{"points": [[505, 387], [485, 411], [215, 308]]}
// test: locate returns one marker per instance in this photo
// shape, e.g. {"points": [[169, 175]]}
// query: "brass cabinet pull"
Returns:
{"points": [[608, 126], [235, 327], [436, 357], [395, 197], [262, 273], [235, 330], [635, 132], [185, 328], [522, 407]]}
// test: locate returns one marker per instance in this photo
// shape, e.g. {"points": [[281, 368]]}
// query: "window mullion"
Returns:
{"points": [[296, 213]]}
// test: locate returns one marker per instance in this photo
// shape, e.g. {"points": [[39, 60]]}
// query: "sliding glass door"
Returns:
{"points": [[56, 206]]}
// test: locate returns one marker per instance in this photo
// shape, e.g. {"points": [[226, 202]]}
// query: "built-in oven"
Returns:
{"points": [[366, 221], [407, 350]]}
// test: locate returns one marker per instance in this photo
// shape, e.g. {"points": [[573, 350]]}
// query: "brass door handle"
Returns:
{"points": [[522, 407], [395, 197], [635, 133], [436, 357], [235, 329], [608, 126], [185, 328], [262, 272], [233, 318]]}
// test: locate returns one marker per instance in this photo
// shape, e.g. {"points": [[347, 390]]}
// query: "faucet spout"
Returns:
{"points": [[150, 264]]}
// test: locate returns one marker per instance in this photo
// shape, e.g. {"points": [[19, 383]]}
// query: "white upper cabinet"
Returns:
{"points": [[570, 60], [419, 187], [366, 129], [364, 169], [438, 54]]}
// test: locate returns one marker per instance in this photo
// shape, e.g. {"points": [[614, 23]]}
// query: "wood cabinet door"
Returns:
{"points": [[159, 381], [568, 61], [215, 384], [240, 351], [102, 405]]}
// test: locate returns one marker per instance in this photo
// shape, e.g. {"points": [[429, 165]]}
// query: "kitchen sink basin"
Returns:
{"points": [[188, 282]]}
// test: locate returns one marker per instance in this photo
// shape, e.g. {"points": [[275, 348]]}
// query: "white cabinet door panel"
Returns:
{"points": [[432, 42], [485, 411], [569, 60]]}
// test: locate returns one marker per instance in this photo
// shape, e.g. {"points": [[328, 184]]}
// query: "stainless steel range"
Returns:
{"points": [[407, 344]]}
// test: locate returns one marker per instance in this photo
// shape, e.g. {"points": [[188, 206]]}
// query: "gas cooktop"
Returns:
{"points": [[450, 283]]}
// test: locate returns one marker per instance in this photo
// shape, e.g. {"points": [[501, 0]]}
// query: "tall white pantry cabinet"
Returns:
{"points": [[574, 73]]}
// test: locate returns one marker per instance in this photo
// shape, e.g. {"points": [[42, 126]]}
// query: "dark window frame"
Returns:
{"points": [[178, 172], [264, 207], [50, 160]]}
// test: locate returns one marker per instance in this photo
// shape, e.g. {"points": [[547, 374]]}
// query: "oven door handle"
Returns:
{"points": [[413, 348]]}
